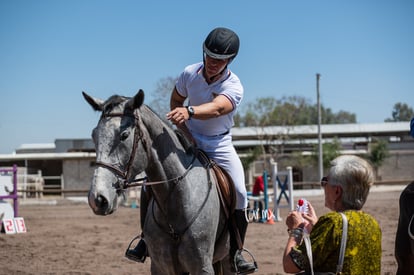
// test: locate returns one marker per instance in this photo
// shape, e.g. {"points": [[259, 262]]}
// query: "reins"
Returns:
{"points": [[125, 174], [143, 181]]}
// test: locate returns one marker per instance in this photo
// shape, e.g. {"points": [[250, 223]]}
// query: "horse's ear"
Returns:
{"points": [[136, 101], [97, 104]]}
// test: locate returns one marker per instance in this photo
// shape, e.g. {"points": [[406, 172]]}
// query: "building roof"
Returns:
{"points": [[46, 156], [327, 130]]}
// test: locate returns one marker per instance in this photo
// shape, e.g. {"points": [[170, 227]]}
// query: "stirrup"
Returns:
{"points": [[132, 256], [239, 252]]}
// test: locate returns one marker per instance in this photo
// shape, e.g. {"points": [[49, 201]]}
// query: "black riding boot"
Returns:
{"points": [[140, 252], [238, 262]]}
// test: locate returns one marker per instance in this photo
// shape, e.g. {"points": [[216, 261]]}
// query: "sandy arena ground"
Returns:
{"points": [[67, 238]]}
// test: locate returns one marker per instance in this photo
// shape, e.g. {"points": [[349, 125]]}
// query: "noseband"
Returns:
{"points": [[124, 175]]}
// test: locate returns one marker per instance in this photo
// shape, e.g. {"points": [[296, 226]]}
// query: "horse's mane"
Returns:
{"points": [[145, 110], [175, 133]]}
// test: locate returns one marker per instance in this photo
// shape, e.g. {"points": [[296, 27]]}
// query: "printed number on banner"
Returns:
{"points": [[8, 225], [15, 225], [19, 224]]}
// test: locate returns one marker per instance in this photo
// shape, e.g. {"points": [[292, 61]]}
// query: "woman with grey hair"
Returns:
{"points": [[346, 189]]}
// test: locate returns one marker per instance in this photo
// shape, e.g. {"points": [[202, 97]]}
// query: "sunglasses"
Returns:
{"points": [[324, 181]]}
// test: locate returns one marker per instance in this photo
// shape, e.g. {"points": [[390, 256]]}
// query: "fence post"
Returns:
{"points": [[62, 186], [15, 204], [290, 186], [276, 211], [25, 183]]}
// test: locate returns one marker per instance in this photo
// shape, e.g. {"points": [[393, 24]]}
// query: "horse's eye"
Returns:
{"points": [[124, 135]]}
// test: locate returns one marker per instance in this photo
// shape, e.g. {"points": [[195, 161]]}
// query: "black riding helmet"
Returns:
{"points": [[222, 43]]}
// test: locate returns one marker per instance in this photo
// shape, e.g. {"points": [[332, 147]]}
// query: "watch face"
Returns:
{"points": [[190, 110]]}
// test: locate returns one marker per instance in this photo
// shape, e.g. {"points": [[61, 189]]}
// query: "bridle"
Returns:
{"points": [[125, 174]]}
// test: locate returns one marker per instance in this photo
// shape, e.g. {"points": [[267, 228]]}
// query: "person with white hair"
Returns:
{"points": [[314, 244]]}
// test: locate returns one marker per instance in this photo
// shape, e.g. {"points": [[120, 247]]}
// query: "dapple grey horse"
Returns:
{"points": [[185, 228], [404, 239]]}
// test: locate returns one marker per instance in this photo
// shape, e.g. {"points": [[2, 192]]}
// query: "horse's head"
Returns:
{"points": [[119, 141]]}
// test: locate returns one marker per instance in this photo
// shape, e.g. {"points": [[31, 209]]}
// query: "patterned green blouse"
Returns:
{"points": [[363, 248]]}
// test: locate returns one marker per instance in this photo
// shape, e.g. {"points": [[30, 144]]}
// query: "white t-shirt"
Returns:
{"points": [[192, 85]]}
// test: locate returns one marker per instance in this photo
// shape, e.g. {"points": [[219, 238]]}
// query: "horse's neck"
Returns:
{"points": [[168, 165], [168, 157]]}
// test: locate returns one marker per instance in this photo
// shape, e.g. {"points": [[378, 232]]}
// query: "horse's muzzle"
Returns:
{"points": [[99, 204]]}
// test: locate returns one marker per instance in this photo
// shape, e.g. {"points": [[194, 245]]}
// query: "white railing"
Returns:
{"points": [[27, 183]]}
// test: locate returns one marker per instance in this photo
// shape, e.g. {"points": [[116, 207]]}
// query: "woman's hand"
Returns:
{"points": [[310, 218], [294, 220], [306, 221]]}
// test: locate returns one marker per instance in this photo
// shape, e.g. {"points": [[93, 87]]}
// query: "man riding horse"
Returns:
{"points": [[213, 94]]}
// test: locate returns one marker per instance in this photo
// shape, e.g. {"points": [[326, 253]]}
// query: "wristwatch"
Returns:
{"points": [[190, 111]]}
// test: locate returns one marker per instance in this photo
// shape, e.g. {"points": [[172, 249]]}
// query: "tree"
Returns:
{"points": [[377, 155], [330, 151], [345, 117], [259, 113], [237, 120], [289, 111], [250, 157], [161, 96], [401, 112], [293, 110]]}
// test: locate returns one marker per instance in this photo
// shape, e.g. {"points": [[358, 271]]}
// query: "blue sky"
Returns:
{"points": [[51, 51]]}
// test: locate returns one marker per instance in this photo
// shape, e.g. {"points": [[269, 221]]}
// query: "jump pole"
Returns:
{"points": [[266, 199], [267, 215]]}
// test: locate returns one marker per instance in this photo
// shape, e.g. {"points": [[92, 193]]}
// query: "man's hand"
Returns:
{"points": [[178, 116]]}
